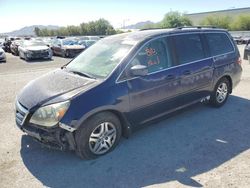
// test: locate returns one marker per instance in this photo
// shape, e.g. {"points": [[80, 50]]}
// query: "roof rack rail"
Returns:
{"points": [[151, 29], [185, 27], [197, 27]]}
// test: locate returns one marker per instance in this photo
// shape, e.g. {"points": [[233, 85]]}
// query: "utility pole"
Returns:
{"points": [[124, 22]]}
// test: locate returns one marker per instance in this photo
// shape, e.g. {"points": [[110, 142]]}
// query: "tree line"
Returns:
{"points": [[172, 19], [237, 23], [175, 19], [99, 27]]}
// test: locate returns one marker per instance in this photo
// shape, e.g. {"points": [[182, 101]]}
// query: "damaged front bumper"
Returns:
{"points": [[59, 137], [55, 138]]}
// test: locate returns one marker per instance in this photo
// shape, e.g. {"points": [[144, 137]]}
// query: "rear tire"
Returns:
{"points": [[98, 135], [220, 93]]}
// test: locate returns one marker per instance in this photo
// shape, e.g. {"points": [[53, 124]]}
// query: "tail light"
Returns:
{"points": [[239, 61]]}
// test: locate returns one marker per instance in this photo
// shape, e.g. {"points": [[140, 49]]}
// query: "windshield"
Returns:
{"points": [[101, 58], [69, 42]]}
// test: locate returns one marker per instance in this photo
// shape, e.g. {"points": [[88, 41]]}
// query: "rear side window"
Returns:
{"points": [[189, 48], [219, 43]]}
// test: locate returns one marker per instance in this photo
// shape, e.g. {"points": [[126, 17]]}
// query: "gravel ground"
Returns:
{"points": [[198, 147]]}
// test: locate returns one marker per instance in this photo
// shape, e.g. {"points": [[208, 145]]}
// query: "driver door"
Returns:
{"points": [[153, 95]]}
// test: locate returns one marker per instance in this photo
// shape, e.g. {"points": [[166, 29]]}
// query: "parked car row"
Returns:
{"points": [[241, 39], [45, 48]]}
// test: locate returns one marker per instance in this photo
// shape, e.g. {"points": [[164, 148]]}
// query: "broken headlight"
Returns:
{"points": [[50, 115]]}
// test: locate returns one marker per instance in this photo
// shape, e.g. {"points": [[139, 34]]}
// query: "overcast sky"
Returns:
{"points": [[15, 14]]}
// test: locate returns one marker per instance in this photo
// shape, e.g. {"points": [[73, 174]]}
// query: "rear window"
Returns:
{"points": [[219, 43], [189, 48]]}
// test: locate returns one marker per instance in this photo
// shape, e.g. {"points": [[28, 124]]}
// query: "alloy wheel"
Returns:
{"points": [[102, 138], [221, 93]]}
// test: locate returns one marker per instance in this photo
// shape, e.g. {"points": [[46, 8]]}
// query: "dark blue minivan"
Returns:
{"points": [[124, 81]]}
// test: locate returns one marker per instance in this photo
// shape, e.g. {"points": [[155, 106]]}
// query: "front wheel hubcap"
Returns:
{"points": [[102, 138], [221, 92]]}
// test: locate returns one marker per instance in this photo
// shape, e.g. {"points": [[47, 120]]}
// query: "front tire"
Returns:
{"points": [[220, 93], [98, 135], [65, 54]]}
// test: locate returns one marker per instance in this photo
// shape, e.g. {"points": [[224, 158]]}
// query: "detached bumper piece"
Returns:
{"points": [[55, 138]]}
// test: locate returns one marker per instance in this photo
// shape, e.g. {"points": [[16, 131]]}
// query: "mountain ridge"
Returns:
{"points": [[139, 25], [29, 30]]}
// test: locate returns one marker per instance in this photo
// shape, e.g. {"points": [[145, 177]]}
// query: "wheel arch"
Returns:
{"points": [[126, 128], [228, 77]]}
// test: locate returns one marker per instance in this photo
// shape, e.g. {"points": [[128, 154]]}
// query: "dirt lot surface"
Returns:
{"points": [[199, 147]]}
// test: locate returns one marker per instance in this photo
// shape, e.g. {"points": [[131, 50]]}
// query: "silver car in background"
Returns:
{"points": [[33, 49]]}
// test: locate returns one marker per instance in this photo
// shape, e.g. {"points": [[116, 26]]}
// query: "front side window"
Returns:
{"points": [[219, 43], [154, 55], [189, 48]]}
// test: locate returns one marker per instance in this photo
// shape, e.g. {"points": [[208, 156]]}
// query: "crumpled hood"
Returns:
{"points": [[36, 48], [51, 86]]}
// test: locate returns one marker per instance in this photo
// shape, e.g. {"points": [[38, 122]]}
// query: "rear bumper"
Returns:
{"points": [[236, 78]]}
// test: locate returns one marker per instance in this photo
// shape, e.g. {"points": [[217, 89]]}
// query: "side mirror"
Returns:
{"points": [[139, 70]]}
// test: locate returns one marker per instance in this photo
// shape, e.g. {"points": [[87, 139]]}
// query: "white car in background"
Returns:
{"points": [[2, 55], [32, 49]]}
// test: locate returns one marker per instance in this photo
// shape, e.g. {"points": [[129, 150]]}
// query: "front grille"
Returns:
{"points": [[21, 113], [40, 54]]}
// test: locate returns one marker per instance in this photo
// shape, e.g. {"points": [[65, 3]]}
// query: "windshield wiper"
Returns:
{"points": [[64, 66], [82, 74]]}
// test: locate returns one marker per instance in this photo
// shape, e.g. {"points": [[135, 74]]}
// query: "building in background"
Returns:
{"points": [[196, 18]]}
